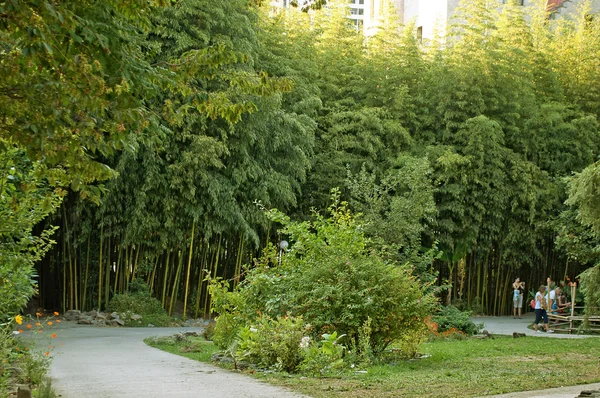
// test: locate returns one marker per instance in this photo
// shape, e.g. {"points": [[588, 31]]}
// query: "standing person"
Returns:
{"points": [[518, 289], [540, 310]]}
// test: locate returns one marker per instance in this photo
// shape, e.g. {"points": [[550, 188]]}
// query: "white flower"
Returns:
{"points": [[253, 330], [304, 342]]}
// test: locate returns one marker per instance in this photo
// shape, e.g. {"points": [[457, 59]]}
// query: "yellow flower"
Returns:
{"points": [[49, 323], [38, 324], [19, 319]]}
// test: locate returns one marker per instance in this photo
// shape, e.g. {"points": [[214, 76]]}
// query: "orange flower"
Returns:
{"points": [[38, 324], [55, 313], [26, 348], [50, 347], [40, 331], [18, 349], [39, 313], [47, 353], [58, 321], [49, 323], [20, 330], [29, 326], [53, 335]]}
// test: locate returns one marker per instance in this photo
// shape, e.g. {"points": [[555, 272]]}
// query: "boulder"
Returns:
{"points": [[115, 322], [135, 317], [85, 320], [114, 315], [72, 315]]}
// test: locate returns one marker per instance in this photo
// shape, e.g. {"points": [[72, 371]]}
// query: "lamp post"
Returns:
{"points": [[283, 245]]}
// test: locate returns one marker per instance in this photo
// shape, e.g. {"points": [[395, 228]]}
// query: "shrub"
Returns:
{"points": [[324, 358], [451, 317], [209, 331], [273, 343], [139, 301], [335, 283]]}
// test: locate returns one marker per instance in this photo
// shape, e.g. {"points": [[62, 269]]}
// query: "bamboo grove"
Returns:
{"points": [[457, 152]]}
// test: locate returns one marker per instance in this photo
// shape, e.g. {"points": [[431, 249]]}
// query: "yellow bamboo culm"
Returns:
{"points": [[187, 279]]}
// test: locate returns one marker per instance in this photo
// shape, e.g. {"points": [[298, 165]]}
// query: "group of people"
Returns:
{"points": [[556, 301]]}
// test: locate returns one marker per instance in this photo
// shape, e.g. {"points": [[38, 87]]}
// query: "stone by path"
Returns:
{"points": [[102, 362]]}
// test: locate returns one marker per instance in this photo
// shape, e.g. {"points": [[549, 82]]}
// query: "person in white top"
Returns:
{"points": [[541, 304]]}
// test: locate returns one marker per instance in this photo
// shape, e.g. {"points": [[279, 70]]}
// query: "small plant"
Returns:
{"points": [[139, 301], [209, 331], [451, 317], [324, 358], [273, 343]]}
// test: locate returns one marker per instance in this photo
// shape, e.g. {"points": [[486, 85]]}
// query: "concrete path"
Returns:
{"points": [[506, 325], [114, 362]]}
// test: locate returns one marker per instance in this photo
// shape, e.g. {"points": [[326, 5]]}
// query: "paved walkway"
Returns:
{"points": [[114, 362], [506, 325]]}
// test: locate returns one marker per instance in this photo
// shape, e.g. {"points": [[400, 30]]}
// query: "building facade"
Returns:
{"points": [[432, 15]]}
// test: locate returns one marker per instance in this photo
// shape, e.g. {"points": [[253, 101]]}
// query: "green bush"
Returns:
{"points": [[139, 301], [335, 283], [273, 343], [451, 317], [325, 358]]}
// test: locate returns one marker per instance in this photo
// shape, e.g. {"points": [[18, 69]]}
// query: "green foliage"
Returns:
{"points": [[273, 343], [26, 198], [209, 331], [590, 287], [139, 301], [324, 358], [334, 283], [451, 317]]}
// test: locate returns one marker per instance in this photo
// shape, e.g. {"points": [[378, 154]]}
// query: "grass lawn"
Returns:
{"points": [[454, 369]]}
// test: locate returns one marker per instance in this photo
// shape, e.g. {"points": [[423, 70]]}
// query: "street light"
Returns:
{"points": [[283, 245]]}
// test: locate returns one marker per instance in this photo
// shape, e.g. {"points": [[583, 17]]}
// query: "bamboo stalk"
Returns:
{"points": [[200, 280], [175, 289], [116, 284], [165, 278], [152, 276], [100, 264], [187, 279], [135, 263], [64, 285], [207, 303], [107, 275], [87, 268], [238, 263]]}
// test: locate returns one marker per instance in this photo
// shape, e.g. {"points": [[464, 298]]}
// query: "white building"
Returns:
{"points": [[436, 14], [430, 15]]}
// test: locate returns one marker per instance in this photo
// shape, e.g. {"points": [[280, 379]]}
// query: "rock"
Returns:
{"points": [[85, 320], [136, 317], [150, 325], [517, 335], [589, 393], [23, 391], [192, 334], [114, 315], [115, 322], [100, 316], [72, 315]]}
